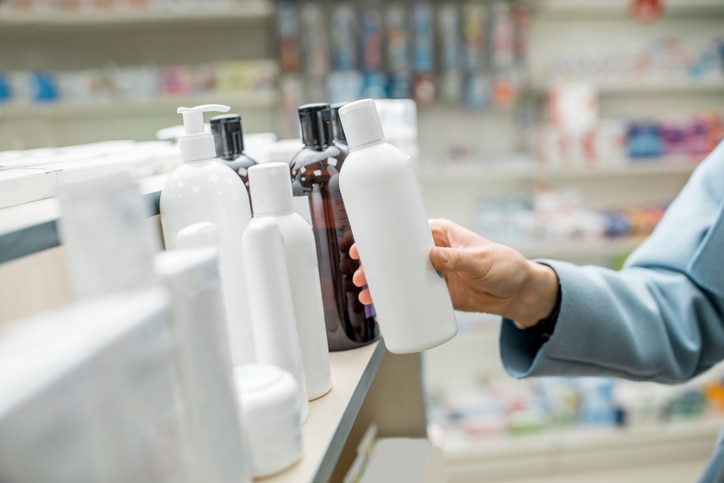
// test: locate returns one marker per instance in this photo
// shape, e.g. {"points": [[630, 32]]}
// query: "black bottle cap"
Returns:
{"points": [[337, 123], [228, 138], [316, 124]]}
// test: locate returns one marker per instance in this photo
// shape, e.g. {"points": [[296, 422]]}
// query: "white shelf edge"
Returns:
{"points": [[645, 88], [54, 19], [61, 110], [593, 9], [568, 451], [473, 172], [331, 416], [581, 249]]}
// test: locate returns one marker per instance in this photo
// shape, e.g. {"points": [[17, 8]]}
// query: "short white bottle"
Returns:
{"points": [[203, 189], [276, 340], [271, 194], [392, 233]]}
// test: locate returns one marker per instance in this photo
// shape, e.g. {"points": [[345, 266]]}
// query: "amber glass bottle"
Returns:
{"points": [[229, 143], [315, 174]]}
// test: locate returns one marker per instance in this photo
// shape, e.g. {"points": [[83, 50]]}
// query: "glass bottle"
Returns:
{"points": [[229, 143], [315, 174]]}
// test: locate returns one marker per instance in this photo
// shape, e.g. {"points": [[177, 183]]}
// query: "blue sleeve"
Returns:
{"points": [[660, 318]]}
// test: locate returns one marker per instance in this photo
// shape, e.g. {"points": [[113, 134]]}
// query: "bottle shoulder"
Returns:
{"points": [[210, 177]]}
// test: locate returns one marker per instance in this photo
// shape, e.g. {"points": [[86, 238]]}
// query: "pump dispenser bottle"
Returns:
{"points": [[202, 189], [271, 193], [315, 175], [389, 221], [229, 143]]}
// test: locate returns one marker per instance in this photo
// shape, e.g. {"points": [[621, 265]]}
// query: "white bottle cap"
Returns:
{"points": [[271, 416], [270, 185], [361, 123], [197, 144]]}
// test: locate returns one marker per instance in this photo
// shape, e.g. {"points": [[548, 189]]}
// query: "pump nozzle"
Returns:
{"points": [[194, 116], [197, 144]]}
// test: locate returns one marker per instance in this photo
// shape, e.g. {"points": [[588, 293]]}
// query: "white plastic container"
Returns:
{"points": [[390, 227], [271, 412], [276, 340], [206, 385], [203, 189], [271, 192]]}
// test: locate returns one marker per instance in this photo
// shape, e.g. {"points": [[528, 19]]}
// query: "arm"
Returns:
{"points": [[660, 318]]}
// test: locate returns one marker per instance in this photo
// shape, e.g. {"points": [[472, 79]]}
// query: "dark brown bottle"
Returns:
{"points": [[229, 143], [315, 174]]}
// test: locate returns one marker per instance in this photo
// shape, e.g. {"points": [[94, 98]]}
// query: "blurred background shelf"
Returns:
{"points": [[111, 109], [235, 15]]}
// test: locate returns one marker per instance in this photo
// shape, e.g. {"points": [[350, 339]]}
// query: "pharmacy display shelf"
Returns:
{"points": [[644, 88], [591, 9], [331, 416], [582, 249], [573, 451], [33, 227], [115, 109], [244, 11], [472, 172]]}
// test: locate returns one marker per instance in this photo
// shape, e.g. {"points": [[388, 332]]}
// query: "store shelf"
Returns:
{"points": [[601, 9], [331, 416], [33, 227], [647, 88], [63, 111], [566, 452], [480, 172], [581, 250], [60, 20]]}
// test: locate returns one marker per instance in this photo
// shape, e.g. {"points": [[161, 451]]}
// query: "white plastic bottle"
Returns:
{"points": [[276, 340], [390, 227], [203, 189], [271, 193], [205, 378]]}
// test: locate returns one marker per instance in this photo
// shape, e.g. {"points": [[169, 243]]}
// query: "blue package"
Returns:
{"points": [[400, 85], [423, 30], [643, 140], [6, 91], [44, 88], [374, 85]]}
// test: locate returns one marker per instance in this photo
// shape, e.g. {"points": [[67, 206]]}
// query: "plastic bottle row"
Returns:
{"points": [[197, 363]]}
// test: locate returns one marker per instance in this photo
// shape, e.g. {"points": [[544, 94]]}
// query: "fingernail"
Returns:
{"points": [[444, 256]]}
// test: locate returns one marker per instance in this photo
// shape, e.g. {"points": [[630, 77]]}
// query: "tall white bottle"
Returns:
{"points": [[203, 189], [390, 227], [271, 194], [276, 339]]}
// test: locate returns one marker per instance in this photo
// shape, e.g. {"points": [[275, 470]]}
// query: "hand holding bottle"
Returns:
{"points": [[483, 276]]}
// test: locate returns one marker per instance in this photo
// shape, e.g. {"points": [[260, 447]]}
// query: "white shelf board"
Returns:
{"points": [[646, 88], [114, 109], [331, 416], [132, 17], [591, 9], [581, 249], [572, 450], [481, 172]]}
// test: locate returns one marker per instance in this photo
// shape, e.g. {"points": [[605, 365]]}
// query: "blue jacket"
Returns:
{"points": [[660, 318]]}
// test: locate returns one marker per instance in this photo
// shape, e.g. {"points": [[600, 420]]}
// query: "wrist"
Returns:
{"points": [[537, 298]]}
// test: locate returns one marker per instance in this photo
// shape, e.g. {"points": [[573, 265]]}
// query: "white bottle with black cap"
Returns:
{"points": [[271, 192], [390, 227], [203, 189]]}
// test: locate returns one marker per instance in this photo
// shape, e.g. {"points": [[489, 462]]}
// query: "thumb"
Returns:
{"points": [[443, 259]]}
